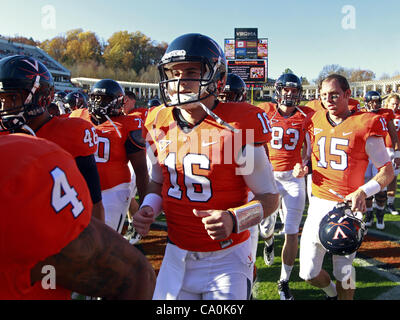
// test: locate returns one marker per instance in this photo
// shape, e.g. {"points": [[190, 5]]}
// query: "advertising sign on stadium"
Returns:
{"points": [[262, 49], [246, 34], [251, 71], [229, 47], [253, 49]]}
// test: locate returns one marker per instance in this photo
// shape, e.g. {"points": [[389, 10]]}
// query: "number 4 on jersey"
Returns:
{"points": [[63, 194]]}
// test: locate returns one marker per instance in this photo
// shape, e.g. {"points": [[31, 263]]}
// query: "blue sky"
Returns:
{"points": [[304, 35]]}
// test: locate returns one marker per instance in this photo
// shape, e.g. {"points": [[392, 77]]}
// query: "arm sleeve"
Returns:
{"points": [[376, 150], [155, 171], [88, 168], [261, 179]]}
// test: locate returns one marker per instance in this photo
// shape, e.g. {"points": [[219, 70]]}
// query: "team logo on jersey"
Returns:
{"points": [[317, 131], [163, 144]]}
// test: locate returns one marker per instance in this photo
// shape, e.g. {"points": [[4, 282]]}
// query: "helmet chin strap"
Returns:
{"points": [[113, 124], [29, 129], [218, 119]]}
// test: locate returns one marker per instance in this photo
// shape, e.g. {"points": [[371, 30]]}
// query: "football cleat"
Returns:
{"points": [[369, 218], [284, 291], [269, 254], [392, 209], [131, 235], [380, 224]]}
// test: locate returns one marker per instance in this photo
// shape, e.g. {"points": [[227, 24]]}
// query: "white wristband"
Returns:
{"points": [[154, 201], [371, 187], [397, 154]]}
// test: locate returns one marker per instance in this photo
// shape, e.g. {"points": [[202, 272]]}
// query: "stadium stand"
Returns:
{"points": [[61, 75]]}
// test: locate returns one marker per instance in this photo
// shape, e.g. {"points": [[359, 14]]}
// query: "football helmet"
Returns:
{"points": [[340, 231], [29, 84], [59, 96], [372, 100], [235, 89], [73, 101], [192, 47], [106, 99], [288, 80], [153, 103]]}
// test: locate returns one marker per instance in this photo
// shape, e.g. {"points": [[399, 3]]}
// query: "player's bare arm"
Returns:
{"points": [[139, 165], [101, 263]]}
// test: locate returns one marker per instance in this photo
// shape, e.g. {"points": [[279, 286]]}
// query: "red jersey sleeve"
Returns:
{"points": [[254, 124], [76, 135], [376, 126]]}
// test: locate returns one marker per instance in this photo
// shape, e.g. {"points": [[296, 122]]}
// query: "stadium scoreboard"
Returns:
{"points": [[251, 71], [247, 56]]}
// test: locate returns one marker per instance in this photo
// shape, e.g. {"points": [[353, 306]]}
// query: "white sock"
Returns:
{"points": [[330, 290], [390, 200], [285, 272], [380, 208]]}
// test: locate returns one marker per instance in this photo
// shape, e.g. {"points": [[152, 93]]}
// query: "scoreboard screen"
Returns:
{"points": [[251, 71], [246, 49]]}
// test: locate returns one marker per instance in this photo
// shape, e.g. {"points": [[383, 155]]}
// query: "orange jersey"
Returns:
{"points": [[77, 136], [111, 157], [199, 169], [387, 115], [45, 205], [354, 105], [396, 122], [140, 112], [288, 136], [338, 155]]}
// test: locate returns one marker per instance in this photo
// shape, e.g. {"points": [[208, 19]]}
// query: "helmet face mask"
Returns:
{"points": [[235, 89], [340, 231], [74, 100], [289, 82], [27, 88], [199, 52], [372, 101], [106, 99]]}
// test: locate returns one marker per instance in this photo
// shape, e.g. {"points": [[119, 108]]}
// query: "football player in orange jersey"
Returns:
{"points": [[373, 103], [342, 143], [120, 142], [201, 176], [393, 102], [67, 250], [27, 90], [285, 150]]}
